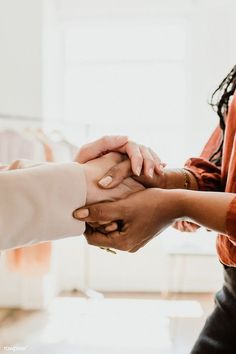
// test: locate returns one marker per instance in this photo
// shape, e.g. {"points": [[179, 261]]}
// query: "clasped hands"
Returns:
{"points": [[126, 205]]}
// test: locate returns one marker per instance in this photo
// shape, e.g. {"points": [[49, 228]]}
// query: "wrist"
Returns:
{"points": [[174, 201], [91, 185], [178, 178], [184, 200], [172, 178]]}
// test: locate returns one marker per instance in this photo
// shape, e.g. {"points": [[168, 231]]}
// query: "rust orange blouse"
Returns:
{"points": [[213, 178]]}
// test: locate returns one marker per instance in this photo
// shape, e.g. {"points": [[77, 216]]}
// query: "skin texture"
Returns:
{"points": [[141, 158], [167, 179], [118, 185], [147, 213], [142, 215], [95, 169]]}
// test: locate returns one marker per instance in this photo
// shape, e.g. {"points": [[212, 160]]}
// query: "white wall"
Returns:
{"points": [[25, 72], [21, 95], [210, 55], [21, 57], [210, 50]]}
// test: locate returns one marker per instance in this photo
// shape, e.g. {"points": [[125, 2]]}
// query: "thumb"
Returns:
{"points": [[116, 175], [101, 146], [104, 212]]}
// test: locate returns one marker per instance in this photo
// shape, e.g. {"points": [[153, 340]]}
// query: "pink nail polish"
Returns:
{"points": [[81, 214], [104, 182], [150, 172], [138, 171]]}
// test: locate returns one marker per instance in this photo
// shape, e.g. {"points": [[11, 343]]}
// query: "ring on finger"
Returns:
{"points": [[108, 250]]}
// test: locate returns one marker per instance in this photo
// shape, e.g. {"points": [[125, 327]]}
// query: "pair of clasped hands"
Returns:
{"points": [[125, 206]]}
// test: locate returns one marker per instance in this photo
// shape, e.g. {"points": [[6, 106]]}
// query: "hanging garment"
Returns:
{"points": [[15, 145], [34, 260]]}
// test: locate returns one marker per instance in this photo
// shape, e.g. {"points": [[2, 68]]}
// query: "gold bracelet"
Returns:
{"points": [[187, 180]]}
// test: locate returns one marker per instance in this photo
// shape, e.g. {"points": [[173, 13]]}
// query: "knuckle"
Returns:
{"points": [[105, 139], [96, 211], [83, 148], [134, 250], [133, 147], [127, 210], [88, 239], [124, 245], [82, 154], [139, 158], [131, 142], [152, 151], [121, 247], [143, 147], [156, 157], [149, 161], [114, 169], [120, 170]]}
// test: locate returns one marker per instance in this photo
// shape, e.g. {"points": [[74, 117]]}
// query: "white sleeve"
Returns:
{"points": [[37, 202]]}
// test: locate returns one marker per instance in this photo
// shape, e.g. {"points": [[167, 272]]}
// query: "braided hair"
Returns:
{"points": [[220, 103]]}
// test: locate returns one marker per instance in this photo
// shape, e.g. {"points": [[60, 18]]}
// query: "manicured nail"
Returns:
{"points": [[104, 182], [150, 172], [82, 213], [112, 227], [138, 171]]}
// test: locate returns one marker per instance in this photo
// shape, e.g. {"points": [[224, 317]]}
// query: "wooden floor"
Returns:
{"points": [[115, 324]]}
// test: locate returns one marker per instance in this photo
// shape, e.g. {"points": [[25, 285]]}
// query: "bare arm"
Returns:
{"points": [[208, 209], [38, 199]]}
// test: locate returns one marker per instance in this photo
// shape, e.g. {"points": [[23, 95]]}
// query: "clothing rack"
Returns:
{"points": [[21, 118], [84, 288]]}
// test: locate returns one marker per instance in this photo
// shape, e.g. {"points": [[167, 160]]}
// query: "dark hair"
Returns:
{"points": [[220, 103]]}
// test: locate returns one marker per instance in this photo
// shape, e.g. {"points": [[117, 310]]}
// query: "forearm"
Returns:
{"points": [[208, 209], [37, 202]]}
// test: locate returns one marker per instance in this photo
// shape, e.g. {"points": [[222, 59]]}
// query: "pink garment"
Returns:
{"points": [[14, 145], [31, 261], [34, 260]]}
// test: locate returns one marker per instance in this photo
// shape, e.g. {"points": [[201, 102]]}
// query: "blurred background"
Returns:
{"points": [[72, 71]]}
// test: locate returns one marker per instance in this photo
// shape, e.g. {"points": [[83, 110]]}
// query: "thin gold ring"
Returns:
{"points": [[108, 250]]}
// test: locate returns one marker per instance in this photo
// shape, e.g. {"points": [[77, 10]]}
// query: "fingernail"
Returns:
{"points": [[111, 227], [150, 172], [138, 171], [104, 182], [81, 214]]}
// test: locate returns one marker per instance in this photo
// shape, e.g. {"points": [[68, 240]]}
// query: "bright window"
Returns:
{"points": [[127, 77]]}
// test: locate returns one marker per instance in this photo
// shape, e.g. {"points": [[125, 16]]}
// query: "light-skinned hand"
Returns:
{"points": [[143, 159], [95, 169]]}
